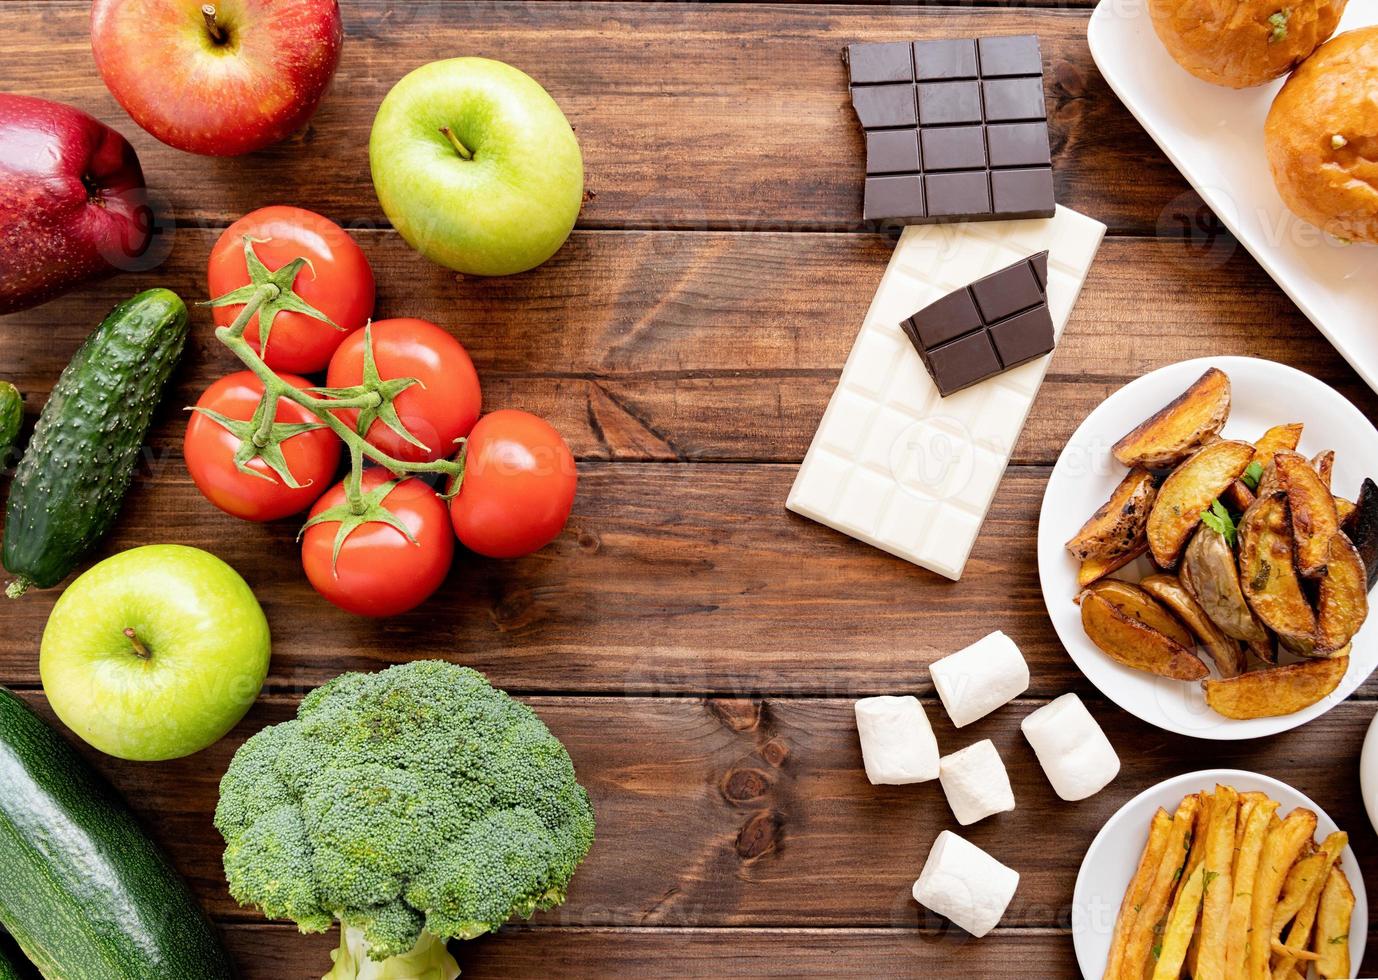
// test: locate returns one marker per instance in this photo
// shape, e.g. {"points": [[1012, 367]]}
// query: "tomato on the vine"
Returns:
{"points": [[311, 457], [337, 281], [379, 571], [442, 408], [518, 486]]}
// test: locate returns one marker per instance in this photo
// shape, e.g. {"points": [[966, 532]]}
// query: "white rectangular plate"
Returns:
{"points": [[893, 463], [1214, 135]]}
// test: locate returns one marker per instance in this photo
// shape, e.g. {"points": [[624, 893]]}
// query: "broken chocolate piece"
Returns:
{"points": [[997, 322], [955, 129]]}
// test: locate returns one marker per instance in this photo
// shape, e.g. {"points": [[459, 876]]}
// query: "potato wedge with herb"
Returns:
{"points": [[1331, 943], [1118, 524], [1137, 602], [1181, 426], [1190, 490], [1342, 599], [1277, 691], [1314, 517], [1095, 569], [1324, 465], [1211, 574], [1224, 650], [1268, 576], [1278, 439], [1129, 641]]}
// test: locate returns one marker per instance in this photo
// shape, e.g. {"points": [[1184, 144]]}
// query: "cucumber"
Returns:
{"points": [[8, 971], [85, 893], [11, 418], [74, 474]]}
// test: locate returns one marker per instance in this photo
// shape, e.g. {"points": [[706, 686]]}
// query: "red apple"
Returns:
{"points": [[219, 78], [73, 206]]}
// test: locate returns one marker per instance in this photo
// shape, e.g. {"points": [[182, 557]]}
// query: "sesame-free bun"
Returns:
{"points": [[1239, 43], [1322, 137]]}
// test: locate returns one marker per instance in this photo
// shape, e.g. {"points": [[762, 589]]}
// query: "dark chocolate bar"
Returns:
{"points": [[996, 323], [956, 130]]}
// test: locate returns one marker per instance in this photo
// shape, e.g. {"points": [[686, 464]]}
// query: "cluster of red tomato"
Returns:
{"points": [[519, 478]]}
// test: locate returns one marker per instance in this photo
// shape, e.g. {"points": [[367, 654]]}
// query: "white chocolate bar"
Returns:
{"points": [[977, 679], [975, 782], [893, 463], [1072, 748], [964, 883], [897, 743]]}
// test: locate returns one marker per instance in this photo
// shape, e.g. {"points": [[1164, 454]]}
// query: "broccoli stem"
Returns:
{"points": [[427, 960]]}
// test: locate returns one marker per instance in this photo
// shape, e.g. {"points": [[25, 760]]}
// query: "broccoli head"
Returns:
{"points": [[413, 805]]}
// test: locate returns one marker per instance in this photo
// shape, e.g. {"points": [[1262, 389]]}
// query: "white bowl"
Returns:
{"points": [[1263, 394], [1368, 772], [1114, 855]]}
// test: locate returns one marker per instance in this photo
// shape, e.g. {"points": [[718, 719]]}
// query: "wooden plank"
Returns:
{"points": [[756, 813], [746, 126], [750, 954], [723, 346]]}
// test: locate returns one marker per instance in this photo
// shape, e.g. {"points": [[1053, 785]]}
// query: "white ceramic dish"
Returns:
{"points": [[1114, 854], [1368, 772], [1214, 136], [1263, 394]]}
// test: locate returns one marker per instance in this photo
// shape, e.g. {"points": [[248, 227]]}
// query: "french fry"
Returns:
{"points": [[1195, 859], [1138, 950], [1296, 887], [1299, 935], [1332, 927], [1135, 894], [1245, 872], [1181, 923], [1217, 859], [1280, 851], [1287, 952]]}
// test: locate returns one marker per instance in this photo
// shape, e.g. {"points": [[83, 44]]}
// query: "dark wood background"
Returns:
{"points": [[696, 646]]}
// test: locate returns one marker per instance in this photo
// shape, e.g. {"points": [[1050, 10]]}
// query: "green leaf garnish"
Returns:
{"points": [[1339, 939], [1218, 520], [1278, 21], [1209, 876], [1252, 475]]}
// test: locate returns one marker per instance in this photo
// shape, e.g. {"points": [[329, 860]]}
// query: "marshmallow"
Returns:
{"points": [[975, 782], [897, 743], [964, 883], [975, 681], [1075, 754]]}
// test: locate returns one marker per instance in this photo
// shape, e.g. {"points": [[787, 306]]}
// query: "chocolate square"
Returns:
{"points": [[942, 103], [995, 323], [957, 192], [872, 63], [892, 151], [885, 105], [1016, 54], [894, 197], [1019, 145], [1022, 193], [1009, 99], [954, 58], [954, 148]]}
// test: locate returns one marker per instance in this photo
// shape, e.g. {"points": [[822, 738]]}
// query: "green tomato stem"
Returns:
{"points": [[323, 409]]}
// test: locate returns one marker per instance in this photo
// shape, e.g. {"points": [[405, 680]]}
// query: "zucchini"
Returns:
{"points": [[74, 474], [85, 893], [11, 418]]}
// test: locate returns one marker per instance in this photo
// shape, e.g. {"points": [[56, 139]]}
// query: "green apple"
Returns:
{"points": [[154, 653], [476, 166]]}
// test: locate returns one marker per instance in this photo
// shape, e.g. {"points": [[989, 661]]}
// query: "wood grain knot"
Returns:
{"points": [[513, 610], [776, 752], [745, 785], [738, 714], [589, 542], [760, 835], [1069, 80]]}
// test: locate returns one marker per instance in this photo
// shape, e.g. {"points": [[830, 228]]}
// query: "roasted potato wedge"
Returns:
{"points": [[1314, 518], [1137, 602], [1342, 599], [1191, 489], [1345, 508], [1224, 650], [1278, 691], [1324, 465], [1362, 528], [1129, 641], [1280, 438], [1267, 574], [1116, 527], [1238, 496], [1181, 426], [1211, 574], [1095, 569]]}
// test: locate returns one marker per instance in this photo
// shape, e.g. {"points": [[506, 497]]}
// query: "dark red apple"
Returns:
{"points": [[219, 78], [73, 206]]}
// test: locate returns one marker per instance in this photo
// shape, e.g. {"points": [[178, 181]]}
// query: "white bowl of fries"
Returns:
{"points": [[1183, 876]]}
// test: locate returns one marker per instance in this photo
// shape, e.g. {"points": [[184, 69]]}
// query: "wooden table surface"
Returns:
{"points": [[696, 647]]}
